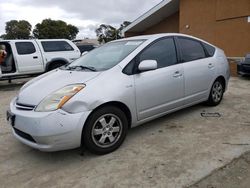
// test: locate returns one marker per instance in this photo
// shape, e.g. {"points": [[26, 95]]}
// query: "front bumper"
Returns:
{"points": [[48, 131]]}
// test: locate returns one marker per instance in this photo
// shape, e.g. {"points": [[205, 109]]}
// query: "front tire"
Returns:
{"points": [[105, 130], [216, 93]]}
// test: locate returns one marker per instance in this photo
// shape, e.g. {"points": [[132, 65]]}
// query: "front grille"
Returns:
{"points": [[21, 106], [24, 135]]}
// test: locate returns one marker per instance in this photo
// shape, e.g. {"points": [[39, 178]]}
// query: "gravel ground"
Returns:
{"points": [[177, 150], [235, 174]]}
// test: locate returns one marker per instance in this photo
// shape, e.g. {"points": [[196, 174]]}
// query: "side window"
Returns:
{"points": [[210, 49], [162, 51], [24, 48], [191, 49], [55, 46]]}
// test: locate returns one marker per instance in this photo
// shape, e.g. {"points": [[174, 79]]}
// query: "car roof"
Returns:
{"points": [[156, 36]]}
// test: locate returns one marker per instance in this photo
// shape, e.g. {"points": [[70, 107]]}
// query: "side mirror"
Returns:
{"points": [[84, 53], [147, 65]]}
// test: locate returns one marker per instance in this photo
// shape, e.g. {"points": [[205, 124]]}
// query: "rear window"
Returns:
{"points": [[84, 48], [24, 48], [191, 49], [210, 49], [55, 46]]}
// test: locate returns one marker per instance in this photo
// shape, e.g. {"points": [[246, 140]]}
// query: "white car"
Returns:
{"points": [[32, 57], [122, 84]]}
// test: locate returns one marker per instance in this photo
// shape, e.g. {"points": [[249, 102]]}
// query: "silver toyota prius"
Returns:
{"points": [[93, 101]]}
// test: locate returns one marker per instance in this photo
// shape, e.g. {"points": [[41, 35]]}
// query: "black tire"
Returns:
{"points": [[55, 65], [101, 128], [216, 93]]}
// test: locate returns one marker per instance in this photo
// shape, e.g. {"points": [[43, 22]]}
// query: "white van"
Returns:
{"points": [[30, 57]]}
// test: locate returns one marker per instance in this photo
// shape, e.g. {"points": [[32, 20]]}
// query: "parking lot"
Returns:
{"points": [[177, 150]]}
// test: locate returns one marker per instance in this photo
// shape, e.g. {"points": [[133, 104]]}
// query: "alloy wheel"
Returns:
{"points": [[106, 130], [217, 91]]}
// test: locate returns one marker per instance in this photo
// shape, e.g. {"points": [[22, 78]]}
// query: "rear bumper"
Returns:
{"points": [[48, 131], [243, 69]]}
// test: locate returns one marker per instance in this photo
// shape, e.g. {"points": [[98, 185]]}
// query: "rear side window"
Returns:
{"points": [[24, 48], [55, 46], [84, 48], [191, 49], [162, 51], [210, 49]]}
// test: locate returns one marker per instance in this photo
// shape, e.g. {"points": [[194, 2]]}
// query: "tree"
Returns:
{"points": [[17, 30], [106, 33], [55, 29], [123, 25]]}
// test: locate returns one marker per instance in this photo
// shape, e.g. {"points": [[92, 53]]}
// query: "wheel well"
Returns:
{"points": [[55, 62], [119, 105], [223, 81]]}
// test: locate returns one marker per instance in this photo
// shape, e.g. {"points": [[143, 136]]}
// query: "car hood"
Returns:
{"points": [[37, 89]]}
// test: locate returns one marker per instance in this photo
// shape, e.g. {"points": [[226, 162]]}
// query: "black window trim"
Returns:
{"points": [[188, 38], [136, 61]]}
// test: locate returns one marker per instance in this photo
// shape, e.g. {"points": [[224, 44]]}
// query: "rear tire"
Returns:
{"points": [[105, 130], [216, 93]]}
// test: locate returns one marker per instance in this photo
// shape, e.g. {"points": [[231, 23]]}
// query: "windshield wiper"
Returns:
{"points": [[81, 67]]}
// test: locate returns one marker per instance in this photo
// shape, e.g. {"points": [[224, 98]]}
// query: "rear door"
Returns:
{"points": [[160, 90], [28, 57], [199, 69]]}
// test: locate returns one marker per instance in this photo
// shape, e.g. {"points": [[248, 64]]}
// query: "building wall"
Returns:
{"points": [[221, 22], [132, 34], [224, 23], [169, 25]]}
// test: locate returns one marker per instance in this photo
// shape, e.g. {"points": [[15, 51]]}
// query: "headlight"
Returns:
{"points": [[58, 98]]}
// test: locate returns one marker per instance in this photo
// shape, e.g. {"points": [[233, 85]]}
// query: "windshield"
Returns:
{"points": [[106, 56]]}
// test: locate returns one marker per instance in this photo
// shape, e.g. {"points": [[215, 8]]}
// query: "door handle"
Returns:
{"points": [[35, 57], [177, 74], [210, 65]]}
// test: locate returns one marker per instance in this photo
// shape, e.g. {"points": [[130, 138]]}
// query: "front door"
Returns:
{"points": [[28, 57], [160, 90]]}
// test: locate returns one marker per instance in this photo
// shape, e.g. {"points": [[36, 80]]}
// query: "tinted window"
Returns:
{"points": [[54, 46], [25, 48], [191, 49], [84, 48], [210, 49], [162, 51]]}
